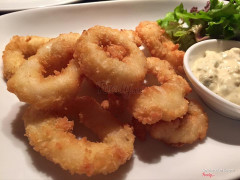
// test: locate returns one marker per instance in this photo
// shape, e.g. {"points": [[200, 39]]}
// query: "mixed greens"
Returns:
{"points": [[217, 20]]}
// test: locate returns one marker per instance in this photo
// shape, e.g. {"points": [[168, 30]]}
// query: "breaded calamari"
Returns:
{"points": [[165, 102], [98, 59], [51, 77], [159, 44], [18, 50], [190, 128], [50, 134]]}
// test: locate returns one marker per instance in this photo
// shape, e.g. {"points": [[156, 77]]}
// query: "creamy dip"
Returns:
{"points": [[220, 72]]}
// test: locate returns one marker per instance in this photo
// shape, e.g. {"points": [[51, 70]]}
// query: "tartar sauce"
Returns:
{"points": [[220, 72]]}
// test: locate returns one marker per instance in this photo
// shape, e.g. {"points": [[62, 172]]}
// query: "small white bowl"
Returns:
{"points": [[213, 100]]}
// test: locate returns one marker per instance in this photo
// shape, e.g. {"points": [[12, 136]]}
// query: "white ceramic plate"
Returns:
{"points": [[14, 5], [218, 155]]}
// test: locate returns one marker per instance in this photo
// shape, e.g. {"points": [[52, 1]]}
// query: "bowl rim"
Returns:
{"points": [[189, 72]]}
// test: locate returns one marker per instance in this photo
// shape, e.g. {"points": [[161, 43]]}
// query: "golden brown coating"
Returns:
{"points": [[110, 73], [192, 127], [50, 134], [159, 44], [49, 78], [133, 36], [18, 50], [165, 102]]}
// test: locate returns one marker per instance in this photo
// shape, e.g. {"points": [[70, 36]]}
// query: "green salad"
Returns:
{"points": [[217, 20]]}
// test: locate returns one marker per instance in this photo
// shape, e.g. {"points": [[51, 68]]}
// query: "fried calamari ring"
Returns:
{"points": [[159, 44], [192, 127], [18, 50], [33, 83], [51, 135], [110, 73], [165, 102]]}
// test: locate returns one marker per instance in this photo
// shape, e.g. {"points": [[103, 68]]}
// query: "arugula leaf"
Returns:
{"points": [[221, 21]]}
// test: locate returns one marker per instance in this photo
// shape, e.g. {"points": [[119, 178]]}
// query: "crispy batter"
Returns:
{"points": [[165, 102], [109, 73], [133, 35], [30, 84], [18, 50], [116, 51], [192, 127], [50, 134], [159, 44], [119, 51]]}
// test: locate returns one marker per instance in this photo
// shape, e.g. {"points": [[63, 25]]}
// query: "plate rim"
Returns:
{"points": [[40, 5]]}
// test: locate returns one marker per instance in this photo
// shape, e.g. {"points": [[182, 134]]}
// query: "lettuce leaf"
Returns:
{"points": [[220, 21]]}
